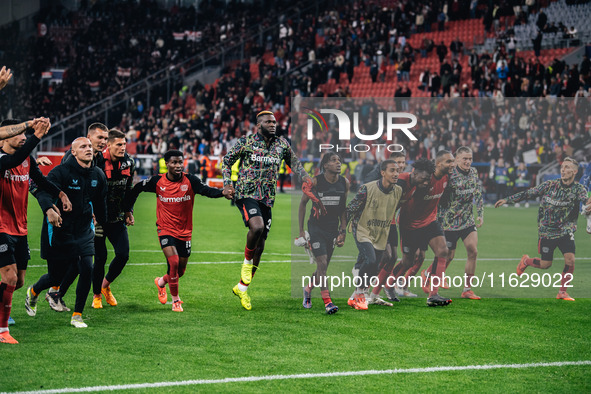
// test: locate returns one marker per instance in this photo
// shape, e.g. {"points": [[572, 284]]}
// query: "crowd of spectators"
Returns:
{"points": [[308, 50], [105, 46]]}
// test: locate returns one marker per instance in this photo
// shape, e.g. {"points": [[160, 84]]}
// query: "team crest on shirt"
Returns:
{"points": [[25, 164], [184, 188], [93, 183], [278, 150]]}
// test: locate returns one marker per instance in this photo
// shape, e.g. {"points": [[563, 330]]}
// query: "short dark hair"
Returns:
{"points": [[441, 153], [384, 164], [395, 155], [98, 126], [326, 158], [114, 134], [424, 165], [9, 122], [172, 153]]}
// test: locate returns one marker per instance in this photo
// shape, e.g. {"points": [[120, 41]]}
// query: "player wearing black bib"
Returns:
{"points": [[326, 225]]}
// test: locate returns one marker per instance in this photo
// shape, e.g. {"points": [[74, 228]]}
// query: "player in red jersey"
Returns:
{"points": [[17, 167], [419, 227], [176, 195]]}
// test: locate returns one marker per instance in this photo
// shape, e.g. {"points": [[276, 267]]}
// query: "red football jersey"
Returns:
{"points": [[407, 192], [14, 195], [174, 208], [174, 204], [421, 207]]}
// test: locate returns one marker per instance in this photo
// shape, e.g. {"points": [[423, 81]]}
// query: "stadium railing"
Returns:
{"points": [[110, 108]]}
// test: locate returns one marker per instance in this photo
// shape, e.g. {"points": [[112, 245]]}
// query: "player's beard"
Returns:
{"points": [[267, 134]]}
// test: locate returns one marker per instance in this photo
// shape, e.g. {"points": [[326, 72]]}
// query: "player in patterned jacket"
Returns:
{"points": [[557, 221], [456, 214], [260, 157], [174, 220]]}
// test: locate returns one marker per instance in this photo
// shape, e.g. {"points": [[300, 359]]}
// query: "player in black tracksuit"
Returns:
{"points": [[73, 242], [119, 174]]}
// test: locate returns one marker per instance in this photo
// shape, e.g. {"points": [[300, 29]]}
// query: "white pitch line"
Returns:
{"points": [[195, 251], [307, 376], [266, 261], [334, 257], [190, 262]]}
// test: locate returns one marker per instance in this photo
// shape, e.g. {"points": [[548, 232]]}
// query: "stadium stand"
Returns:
{"points": [[410, 49]]}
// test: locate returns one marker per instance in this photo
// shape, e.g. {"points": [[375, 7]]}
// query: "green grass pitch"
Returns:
{"points": [[142, 341]]}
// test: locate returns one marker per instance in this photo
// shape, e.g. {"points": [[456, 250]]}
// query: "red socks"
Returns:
{"points": [[566, 278], [325, 297], [467, 285], [397, 269], [248, 253], [382, 277], [6, 292], [173, 277]]}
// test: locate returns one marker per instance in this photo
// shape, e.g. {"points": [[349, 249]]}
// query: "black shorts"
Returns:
{"points": [[393, 236], [412, 240], [566, 244], [14, 249], [183, 248], [250, 207], [451, 237], [322, 242]]}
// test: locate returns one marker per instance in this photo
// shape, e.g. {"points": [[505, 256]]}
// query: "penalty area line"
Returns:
{"points": [[308, 376]]}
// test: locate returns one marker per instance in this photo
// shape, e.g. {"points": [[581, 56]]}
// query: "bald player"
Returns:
{"points": [[72, 243]]}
